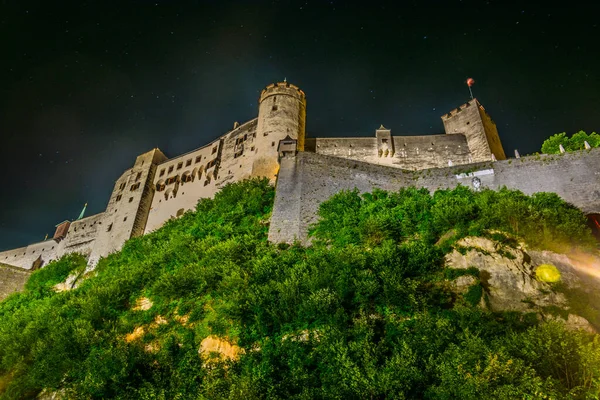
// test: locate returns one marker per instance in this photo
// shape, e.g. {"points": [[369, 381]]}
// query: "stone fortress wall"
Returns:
{"points": [[308, 179], [157, 188], [306, 172], [12, 280]]}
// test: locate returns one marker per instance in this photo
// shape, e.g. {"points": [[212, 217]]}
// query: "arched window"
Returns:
{"points": [[186, 177], [160, 186], [168, 193], [200, 172], [208, 178]]}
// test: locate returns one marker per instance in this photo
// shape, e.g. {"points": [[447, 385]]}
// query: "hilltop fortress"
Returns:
{"points": [[307, 171]]}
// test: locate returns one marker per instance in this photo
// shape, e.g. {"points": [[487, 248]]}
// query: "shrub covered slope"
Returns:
{"points": [[359, 314]]}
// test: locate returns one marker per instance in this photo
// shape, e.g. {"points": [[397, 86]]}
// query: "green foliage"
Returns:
{"points": [[56, 272], [473, 295], [573, 143], [365, 312]]}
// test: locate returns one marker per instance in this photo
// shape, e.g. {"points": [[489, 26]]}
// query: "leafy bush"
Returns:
{"points": [[573, 143], [362, 313]]}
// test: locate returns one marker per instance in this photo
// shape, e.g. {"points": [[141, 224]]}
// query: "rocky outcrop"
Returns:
{"points": [[507, 276], [221, 348]]}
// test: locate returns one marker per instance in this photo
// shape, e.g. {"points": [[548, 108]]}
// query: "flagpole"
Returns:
{"points": [[470, 82]]}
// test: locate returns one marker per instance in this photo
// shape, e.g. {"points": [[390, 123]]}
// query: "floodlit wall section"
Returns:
{"points": [[181, 182], [405, 152]]}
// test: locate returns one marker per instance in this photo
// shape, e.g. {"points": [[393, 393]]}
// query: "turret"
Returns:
{"points": [[472, 120], [281, 113]]}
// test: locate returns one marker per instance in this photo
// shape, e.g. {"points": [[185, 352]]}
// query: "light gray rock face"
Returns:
{"points": [[506, 274], [509, 283]]}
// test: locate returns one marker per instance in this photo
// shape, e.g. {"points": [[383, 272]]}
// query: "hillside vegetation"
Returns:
{"points": [[363, 313]]}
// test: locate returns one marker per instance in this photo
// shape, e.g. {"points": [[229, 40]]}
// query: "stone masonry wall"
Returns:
{"points": [[308, 179], [12, 280], [410, 152]]}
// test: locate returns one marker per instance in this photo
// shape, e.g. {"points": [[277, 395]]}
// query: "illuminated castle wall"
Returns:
{"points": [[306, 171]]}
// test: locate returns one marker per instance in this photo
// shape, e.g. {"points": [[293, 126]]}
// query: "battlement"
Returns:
{"points": [[284, 88], [460, 108]]}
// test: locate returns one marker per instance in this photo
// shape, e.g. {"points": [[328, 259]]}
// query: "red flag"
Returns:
{"points": [[470, 82]]}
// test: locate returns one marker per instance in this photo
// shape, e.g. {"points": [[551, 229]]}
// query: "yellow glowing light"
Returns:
{"points": [[547, 273]]}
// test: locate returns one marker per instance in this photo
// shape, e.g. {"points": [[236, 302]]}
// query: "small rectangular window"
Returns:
{"points": [[214, 150], [180, 165], [124, 219], [162, 172], [130, 199], [170, 169], [139, 175], [274, 108], [188, 162], [198, 159]]}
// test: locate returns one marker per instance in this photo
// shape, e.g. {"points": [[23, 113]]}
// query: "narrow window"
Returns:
{"points": [[272, 144], [118, 197], [109, 228], [188, 162], [198, 159], [180, 165], [214, 150], [170, 169], [135, 186], [124, 219], [162, 172], [139, 175]]}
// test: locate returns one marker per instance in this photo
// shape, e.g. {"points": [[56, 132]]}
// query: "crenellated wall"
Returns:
{"points": [[308, 179]]}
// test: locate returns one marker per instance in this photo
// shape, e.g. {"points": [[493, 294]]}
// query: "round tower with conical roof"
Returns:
{"points": [[281, 113]]}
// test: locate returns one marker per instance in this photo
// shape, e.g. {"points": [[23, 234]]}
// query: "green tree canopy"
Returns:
{"points": [[573, 143]]}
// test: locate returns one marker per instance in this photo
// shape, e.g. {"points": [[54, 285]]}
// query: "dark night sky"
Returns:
{"points": [[88, 85]]}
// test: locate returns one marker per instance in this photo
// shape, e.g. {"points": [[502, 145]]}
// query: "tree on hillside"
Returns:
{"points": [[575, 142]]}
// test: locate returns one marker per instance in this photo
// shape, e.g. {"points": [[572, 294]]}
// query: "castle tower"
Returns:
{"points": [[127, 210], [473, 121], [281, 113]]}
